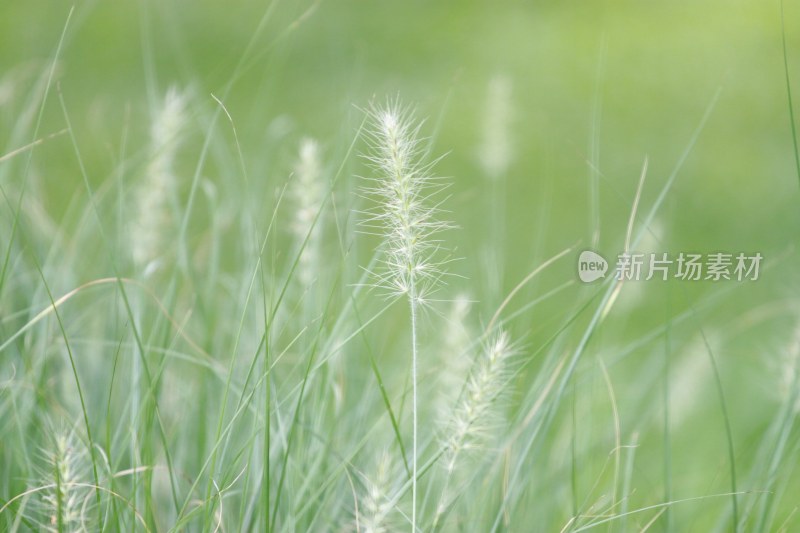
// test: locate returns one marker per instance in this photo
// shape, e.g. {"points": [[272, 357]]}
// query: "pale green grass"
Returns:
{"points": [[196, 332]]}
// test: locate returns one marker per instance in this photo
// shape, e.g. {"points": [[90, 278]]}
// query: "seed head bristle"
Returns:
{"points": [[66, 474], [377, 501], [495, 152], [308, 193], [405, 212], [152, 215], [473, 414]]}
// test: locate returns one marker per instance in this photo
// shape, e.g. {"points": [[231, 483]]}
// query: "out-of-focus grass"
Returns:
{"points": [[661, 67], [634, 76]]}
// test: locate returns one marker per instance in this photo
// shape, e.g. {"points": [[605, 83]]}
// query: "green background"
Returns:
{"points": [[598, 87]]}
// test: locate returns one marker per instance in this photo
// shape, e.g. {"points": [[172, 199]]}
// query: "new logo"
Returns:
{"points": [[591, 266]]}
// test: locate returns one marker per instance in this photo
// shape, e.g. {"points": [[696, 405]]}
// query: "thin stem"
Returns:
{"points": [[789, 95], [412, 300]]}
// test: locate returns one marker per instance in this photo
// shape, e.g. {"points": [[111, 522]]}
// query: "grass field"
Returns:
{"points": [[314, 266]]}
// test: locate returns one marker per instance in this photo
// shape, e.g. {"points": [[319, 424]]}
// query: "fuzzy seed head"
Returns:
{"points": [[308, 193], [376, 503], [66, 474], [474, 413], [496, 153], [453, 351], [152, 214], [406, 214]]}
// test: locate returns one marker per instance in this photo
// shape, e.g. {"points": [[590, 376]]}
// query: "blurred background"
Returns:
{"points": [[593, 90], [581, 93]]}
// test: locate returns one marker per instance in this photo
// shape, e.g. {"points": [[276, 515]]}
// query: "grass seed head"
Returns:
{"points": [[66, 472], [495, 153], [406, 213], [151, 217], [308, 193], [475, 412]]}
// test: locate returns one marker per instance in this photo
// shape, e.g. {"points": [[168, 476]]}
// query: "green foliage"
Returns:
{"points": [[228, 299]]}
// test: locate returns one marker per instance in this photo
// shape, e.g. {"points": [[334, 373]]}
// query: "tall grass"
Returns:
{"points": [[407, 214], [229, 328]]}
